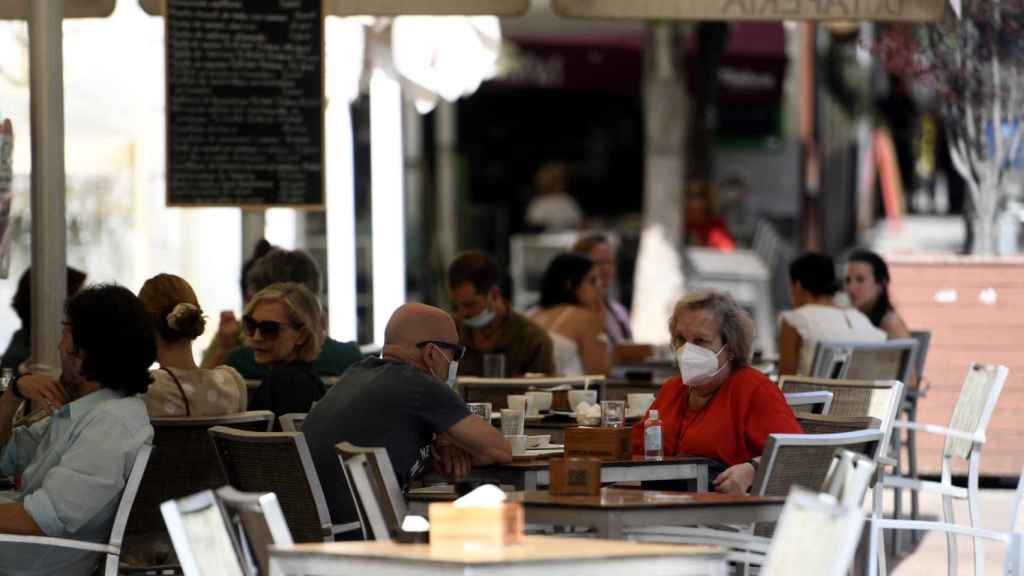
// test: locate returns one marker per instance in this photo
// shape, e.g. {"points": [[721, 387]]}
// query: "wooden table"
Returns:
{"points": [[536, 555], [617, 509], [531, 474]]}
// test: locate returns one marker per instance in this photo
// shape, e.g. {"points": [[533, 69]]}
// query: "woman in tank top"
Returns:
{"points": [[180, 387], [570, 310]]}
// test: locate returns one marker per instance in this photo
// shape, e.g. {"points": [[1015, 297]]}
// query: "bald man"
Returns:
{"points": [[405, 402]]}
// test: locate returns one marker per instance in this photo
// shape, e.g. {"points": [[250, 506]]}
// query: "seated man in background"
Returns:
{"points": [[291, 266], [402, 401], [74, 464], [487, 325]]}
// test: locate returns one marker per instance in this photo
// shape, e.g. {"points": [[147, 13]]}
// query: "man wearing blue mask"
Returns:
{"points": [[487, 325]]}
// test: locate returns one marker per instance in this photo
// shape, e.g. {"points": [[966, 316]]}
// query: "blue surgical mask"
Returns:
{"points": [[482, 319]]}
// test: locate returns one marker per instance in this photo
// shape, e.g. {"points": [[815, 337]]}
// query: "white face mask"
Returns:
{"points": [[697, 365], [482, 319], [453, 371]]}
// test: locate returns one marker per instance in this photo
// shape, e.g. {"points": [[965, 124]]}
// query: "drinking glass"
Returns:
{"points": [[494, 365], [613, 413], [481, 409], [513, 422]]}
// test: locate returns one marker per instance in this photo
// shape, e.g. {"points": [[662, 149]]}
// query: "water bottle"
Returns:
{"points": [[652, 436]]}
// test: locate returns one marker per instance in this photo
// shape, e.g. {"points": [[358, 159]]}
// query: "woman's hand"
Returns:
{"points": [[227, 331], [44, 391], [736, 479]]}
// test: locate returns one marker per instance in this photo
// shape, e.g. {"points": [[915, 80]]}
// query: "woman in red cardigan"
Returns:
{"points": [[719, 407]]}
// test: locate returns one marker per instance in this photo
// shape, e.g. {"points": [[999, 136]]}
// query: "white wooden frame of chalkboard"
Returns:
{"points": [[323, 132]]}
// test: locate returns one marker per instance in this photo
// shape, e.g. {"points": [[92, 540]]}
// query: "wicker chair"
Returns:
{"points": [[183, 462], [888, 360], [112, 549], [279, 462], [815, 424]]}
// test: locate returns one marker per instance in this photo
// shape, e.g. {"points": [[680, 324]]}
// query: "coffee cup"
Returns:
{"points": [[519, 402], [639, 403], [538, 402]]}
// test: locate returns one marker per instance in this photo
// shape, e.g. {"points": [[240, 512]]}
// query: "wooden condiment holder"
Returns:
{"points": [[498, 525], [610, 443], [575, 476]]}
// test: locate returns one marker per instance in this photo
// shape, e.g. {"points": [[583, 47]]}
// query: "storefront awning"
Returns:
{"points": [[18, 9], [889, 10], [398, 7]]}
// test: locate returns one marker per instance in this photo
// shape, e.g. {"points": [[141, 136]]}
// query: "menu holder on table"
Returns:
{"points": [[575, 476], [611, 443]]}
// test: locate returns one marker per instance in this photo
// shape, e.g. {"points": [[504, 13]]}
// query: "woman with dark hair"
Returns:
{"points": [[20, 347], [816, 317], [571, 311], [180, 387], [867, 285]]}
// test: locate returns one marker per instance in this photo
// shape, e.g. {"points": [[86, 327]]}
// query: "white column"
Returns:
{"points": [[49, 228], [659, 269], [387, 199], [447, 232], [341, 221], [254, 224]]}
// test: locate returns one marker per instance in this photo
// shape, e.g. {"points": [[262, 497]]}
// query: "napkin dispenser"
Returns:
{"points": [[575, 476], [492, 525], [608, 443]]}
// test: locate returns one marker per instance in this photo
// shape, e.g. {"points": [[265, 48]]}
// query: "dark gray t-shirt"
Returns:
{"points": [[378, 403]]}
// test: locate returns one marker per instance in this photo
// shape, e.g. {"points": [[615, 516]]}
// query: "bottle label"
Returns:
{"points": [[652, 438]]}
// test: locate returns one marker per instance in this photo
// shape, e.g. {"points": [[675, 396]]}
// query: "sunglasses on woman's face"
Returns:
{"points": [[268, 329]]}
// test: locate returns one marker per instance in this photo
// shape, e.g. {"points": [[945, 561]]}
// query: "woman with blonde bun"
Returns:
{"points": [[180, 387]]}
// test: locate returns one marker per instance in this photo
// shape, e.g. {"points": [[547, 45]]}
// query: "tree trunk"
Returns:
{"points": [[983, 219]]}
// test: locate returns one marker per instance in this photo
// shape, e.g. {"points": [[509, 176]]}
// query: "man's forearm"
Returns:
{"points": [[8, 407], [14, 519]]}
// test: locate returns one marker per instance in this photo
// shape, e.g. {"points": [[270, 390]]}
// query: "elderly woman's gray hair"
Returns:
{"points": [[734, 324], [303, 311]]}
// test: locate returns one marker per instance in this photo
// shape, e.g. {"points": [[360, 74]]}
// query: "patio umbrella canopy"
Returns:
{"points": [[396, 7], [889, 10]]}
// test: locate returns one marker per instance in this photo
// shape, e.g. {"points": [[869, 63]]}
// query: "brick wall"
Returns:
{"points": [[967, 329]]}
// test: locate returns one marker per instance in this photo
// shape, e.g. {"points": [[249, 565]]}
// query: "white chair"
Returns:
{"points": [[202, 538], [112, 548], [292, 422], [374, 488], [964, 439], [888, 360], [818, 402], [257, 522], [816, 536]]}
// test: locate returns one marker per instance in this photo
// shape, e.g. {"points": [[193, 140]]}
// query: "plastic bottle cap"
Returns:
{"points": [[652, 415]]}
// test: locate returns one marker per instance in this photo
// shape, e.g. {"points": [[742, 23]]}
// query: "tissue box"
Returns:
{"points": [[485, 525], [610, 443], [575, 476]]}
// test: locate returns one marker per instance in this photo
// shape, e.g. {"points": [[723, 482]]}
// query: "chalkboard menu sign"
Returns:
{"points": [[245, 103]]}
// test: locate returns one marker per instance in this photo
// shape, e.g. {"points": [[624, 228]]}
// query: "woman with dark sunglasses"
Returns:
{"points": [[283, 325]]}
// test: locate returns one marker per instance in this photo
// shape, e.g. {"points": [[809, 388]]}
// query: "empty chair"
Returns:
{"points": [[964, 439], [279, 462], [292, 422], [112, 549], [183, 462], [202, 538], [816, 536], [256, 521], [817, 402], [887, 360], [374, 488], [913, 391], [817, 424]]}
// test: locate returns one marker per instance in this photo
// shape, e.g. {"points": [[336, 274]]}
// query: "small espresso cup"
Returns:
{"points": [[538, 402], [519, 402]]}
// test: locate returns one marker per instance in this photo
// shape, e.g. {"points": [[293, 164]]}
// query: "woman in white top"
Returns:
{"points": [[570, 310], [816, 317], [180, 387]]}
